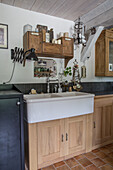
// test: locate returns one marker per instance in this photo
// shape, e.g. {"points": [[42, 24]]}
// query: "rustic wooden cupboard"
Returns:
{"points": [[56, 140], [64, 50], [104, 54], [103, 121]]}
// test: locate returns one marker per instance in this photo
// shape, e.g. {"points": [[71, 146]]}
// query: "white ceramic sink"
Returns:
{"points": [[44, 107]]}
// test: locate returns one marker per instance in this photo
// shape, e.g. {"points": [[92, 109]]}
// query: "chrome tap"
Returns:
{"points": [[48, 83]]}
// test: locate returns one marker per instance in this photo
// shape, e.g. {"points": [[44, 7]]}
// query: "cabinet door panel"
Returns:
{"points": [[97, 138], [49, 140], [103, 118], [107, 128], [76, 128]]}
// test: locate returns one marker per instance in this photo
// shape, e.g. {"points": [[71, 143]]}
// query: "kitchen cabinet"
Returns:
{"points": [[103, 121], [76, 134], [64, 50], [56, 140], [104, 54], [11, 131]]}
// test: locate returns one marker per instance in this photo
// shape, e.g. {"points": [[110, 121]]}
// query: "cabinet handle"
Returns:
{"points": [[66, 137], [18, 103], [94, 125], [62, 138]]}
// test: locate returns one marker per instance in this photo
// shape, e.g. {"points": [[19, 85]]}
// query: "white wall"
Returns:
{"points": [[16, 18]]}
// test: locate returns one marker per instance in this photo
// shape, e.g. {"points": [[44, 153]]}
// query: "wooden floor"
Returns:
{"points": [[99, 159]]}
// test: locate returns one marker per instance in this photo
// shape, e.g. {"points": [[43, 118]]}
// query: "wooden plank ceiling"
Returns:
{"points": [[67, 9]]}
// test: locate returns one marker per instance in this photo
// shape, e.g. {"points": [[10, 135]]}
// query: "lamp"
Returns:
{"points": [[30, 55], [18, 54], [78, 35]]}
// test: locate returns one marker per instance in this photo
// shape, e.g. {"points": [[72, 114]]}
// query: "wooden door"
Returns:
{"points": [[97, 124], [103, 121], [107, 121], [75, 134], [50, 140], [109, 57]]}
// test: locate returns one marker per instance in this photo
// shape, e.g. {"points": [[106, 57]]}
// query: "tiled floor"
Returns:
{"points": [[99, 159]]}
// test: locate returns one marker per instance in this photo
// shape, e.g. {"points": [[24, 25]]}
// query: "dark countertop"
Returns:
{"points": [[7, 91], [10, 93]]}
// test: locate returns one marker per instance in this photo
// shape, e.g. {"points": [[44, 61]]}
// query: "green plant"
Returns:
{"points": [[67, 71]]}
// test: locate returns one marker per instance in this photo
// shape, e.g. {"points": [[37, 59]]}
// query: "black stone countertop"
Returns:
{"points": [[97, 88], [7, 91]]}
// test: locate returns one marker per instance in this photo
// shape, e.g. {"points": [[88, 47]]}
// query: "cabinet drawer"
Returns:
{"points": [[52, 48]]}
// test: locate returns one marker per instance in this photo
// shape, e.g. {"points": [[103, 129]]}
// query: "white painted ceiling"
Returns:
{"points": [[67, 9]]}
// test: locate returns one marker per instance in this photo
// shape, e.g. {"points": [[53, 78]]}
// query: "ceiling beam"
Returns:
{"points": [[104, 17], [8, 2], [99, 15]]}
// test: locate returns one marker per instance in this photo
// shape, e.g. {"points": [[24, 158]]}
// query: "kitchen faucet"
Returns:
{"points": [[48, 84]]}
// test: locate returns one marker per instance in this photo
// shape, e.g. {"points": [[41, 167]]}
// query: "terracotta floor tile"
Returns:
{"points": [[98, 162], [95, 151], [71, 162], [59, 164], [106, 167], [111, 154], [78, 167], [110, 146], [90, 155], [49, 168], [63, 168], [106, 150], [79, 157], [101, 155], [92, 167], [109, 160], [85, 162]]}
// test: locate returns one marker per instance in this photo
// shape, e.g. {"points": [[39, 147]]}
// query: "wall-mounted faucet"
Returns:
{"points": [[48, 85]]}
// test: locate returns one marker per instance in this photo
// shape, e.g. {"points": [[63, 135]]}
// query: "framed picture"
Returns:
{"points": [[3, 36]]}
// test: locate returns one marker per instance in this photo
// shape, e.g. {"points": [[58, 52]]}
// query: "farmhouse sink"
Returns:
{"points": [[44, 107]]}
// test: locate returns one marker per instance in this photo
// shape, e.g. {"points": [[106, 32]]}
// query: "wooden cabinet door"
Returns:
{"points": [[50, 140], [109, 57], [107, 121], [103, 121], [75, 134], [97, 118]]}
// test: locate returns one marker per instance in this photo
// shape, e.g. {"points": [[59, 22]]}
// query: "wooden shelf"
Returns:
{"points": [[44, 49]]}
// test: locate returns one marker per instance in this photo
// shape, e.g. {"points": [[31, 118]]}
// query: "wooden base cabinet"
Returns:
{"points": [[103, 121], [56, 140]]}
